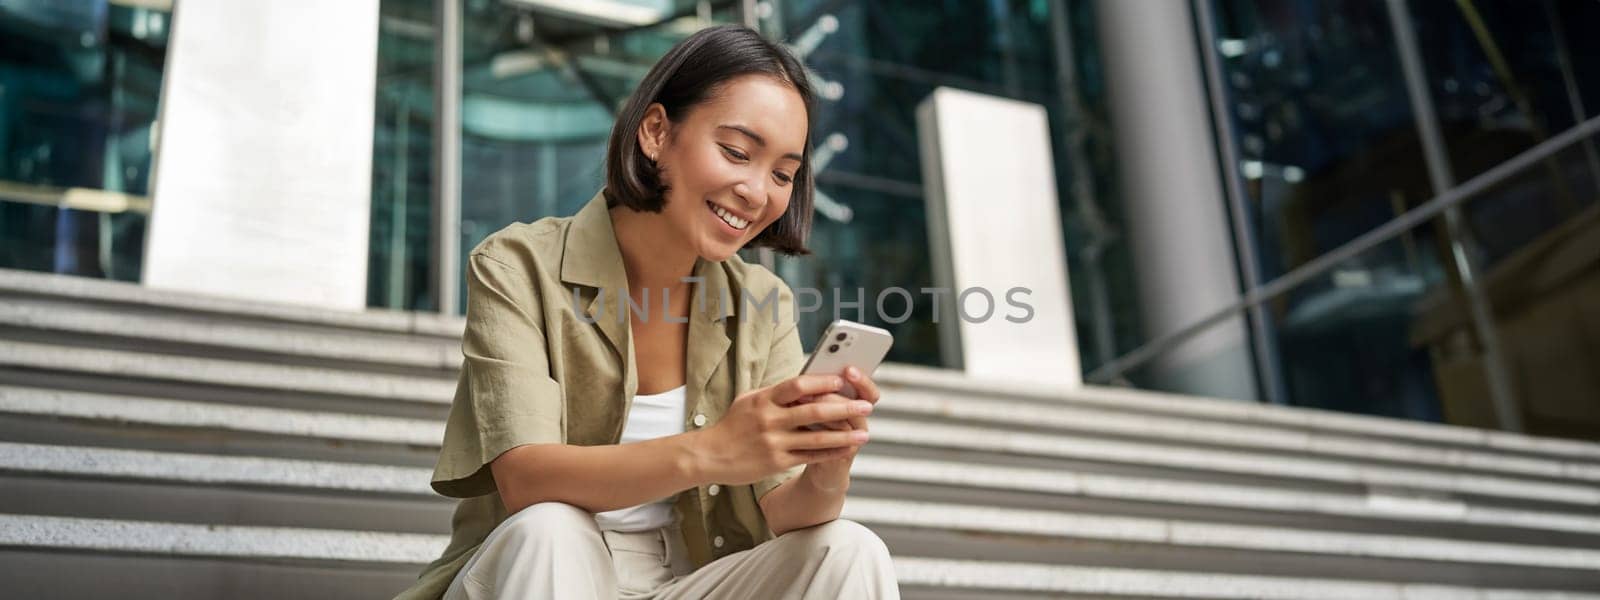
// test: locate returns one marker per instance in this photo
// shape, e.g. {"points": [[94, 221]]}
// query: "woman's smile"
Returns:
{"points": [[730, 224]]}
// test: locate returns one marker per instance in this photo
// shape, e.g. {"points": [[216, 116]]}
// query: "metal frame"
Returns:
{"points": [[1570, 82], [1446, 203], [1082, 191], [1383, 233], [1442, 177], [445, 267], [1269, 372]]}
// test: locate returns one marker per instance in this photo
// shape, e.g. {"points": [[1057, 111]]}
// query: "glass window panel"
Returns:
{"points": [[1319, 111], [79, 83], [1541, 198], [882, 246], [402, 158], [1538, 253], [1360, 338], [539, 95], [1390, 331], [1006, 45], [1495, 76], [884, 59]]}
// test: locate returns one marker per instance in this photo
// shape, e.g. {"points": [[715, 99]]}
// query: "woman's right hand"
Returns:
{"points": [[761, 432]]}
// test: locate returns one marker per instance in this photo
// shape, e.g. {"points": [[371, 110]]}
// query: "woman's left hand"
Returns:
{"points": [[835, 474]]}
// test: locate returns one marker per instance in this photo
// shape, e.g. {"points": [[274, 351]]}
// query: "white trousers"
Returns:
{"points": [[555, 550]]}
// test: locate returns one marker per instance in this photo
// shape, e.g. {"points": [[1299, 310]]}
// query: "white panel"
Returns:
{"points": [[994, 224], [264, 157]]}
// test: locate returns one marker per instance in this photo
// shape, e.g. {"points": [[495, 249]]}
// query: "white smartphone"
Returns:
{"points": [[848, 344]]}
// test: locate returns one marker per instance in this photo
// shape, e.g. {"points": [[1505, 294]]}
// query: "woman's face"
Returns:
{"points": [[730, 163]]}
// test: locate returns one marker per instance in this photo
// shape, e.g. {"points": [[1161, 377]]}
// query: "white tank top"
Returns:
{"points": [[652, 416]]}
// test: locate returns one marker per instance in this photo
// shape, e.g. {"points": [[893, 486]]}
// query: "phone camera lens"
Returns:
{"points": [[833, 348], [839, 337]]}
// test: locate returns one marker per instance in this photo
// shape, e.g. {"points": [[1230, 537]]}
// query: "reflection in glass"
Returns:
{"points": [[79, 83], [1348, 341], [1327, 141], [539, 95], [1502, 79], [540, 92], [1542, 276], [402, 158], [1329, 150], [882, 246], [875, 62]]}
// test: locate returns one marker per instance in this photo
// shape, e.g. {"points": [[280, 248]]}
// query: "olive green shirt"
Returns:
{"points": [[536, 371]]}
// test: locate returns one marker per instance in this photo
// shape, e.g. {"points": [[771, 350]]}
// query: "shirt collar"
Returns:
{"points": [[592, 258]]}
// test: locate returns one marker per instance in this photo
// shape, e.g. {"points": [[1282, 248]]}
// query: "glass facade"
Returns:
{"points": [[1317, 102], [538, 97], [403, 159], [540, 91], [1330, 148], [1327, 140], [880, 60], [79, 83]]}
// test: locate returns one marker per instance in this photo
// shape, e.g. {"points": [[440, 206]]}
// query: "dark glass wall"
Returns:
{"points": [[882, 59], [402, 158], [1330, 148], [540, 92], [79, 82]]}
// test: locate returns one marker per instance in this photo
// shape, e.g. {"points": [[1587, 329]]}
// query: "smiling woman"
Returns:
{"points": [[724, 171], [663, 455], [730, 130]]}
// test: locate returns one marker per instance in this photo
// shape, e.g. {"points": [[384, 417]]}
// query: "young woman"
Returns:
{"points": [[629, 421]]}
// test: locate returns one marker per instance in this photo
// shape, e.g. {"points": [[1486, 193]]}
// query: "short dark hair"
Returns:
{"points": [[689, 74]]}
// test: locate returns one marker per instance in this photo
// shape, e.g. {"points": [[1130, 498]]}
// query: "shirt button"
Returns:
{"points": [[714, 489], [700, 420], [717, 541]]}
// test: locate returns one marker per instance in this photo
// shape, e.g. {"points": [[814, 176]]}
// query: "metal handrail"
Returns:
{"points": [[1388, 231]]}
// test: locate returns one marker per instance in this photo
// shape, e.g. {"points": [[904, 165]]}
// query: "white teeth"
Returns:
{"points": [[728, 217]]}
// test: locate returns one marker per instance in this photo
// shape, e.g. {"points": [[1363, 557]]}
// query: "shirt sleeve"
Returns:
{"points": [[505, 396], [784, 360]]}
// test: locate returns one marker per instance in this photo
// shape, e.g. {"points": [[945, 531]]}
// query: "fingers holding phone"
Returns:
{"points": [[853, 351], [854, 423], [865, 389]]}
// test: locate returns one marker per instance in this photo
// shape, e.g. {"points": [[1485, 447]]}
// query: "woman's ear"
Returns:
{"points": [[653, 130]]}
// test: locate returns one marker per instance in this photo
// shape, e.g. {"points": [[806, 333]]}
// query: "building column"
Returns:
{"points": [[1173, 196]]}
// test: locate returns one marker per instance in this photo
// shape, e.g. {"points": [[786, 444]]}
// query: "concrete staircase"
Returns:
{"points": [[162, 445]]}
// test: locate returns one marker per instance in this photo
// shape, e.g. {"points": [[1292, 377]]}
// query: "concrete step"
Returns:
{"points": [[48, 573], [117, 295], [74, 323], [231, 433], [420, 439], [303, 477], [1069, 419], [1192, 459], [207, 337], [305, 546], [107, 309], [961, 388], [1187, 460], [97, 363], [1117, 582], [916, 437], [157, 412]]}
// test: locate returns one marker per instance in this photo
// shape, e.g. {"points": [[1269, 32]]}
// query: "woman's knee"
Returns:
{"points": [[843, 534], [530, 545], [549, 521]]}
